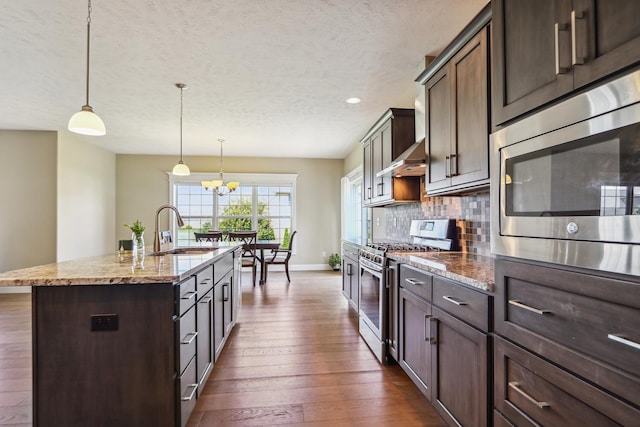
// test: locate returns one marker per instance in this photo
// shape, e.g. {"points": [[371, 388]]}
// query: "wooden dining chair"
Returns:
{"points": [[249, 250], [209, 236], [280, 256]]}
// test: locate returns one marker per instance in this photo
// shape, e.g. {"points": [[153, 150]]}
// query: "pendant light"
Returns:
{"points": [[85, 121], [218, 186], [180, 169]]}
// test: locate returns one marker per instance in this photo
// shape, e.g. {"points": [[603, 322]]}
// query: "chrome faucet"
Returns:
{"points": [[156, 237]]}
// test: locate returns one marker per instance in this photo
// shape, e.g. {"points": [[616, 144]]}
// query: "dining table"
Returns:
{"points": [[262, 245]]}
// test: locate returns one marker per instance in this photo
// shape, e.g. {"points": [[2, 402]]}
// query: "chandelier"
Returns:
{"points": [[218, 186]]}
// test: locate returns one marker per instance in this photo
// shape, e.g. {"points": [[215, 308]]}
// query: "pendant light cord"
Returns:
{"points": [[88, 42], [181, 91], [221, 161]]}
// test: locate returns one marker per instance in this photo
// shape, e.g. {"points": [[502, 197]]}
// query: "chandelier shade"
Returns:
{"points": [[85, 121]]}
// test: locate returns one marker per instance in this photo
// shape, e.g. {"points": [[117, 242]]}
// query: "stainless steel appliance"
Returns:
{"points": [[373, 279], [566, 181]]}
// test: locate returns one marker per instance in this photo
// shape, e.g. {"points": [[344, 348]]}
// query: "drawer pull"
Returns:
{"points": [[515, 386], [205, 300], [414, 282], [528, 307], [191, 395], [192, 336], [453, 300], [622, 340], [188, 295]]}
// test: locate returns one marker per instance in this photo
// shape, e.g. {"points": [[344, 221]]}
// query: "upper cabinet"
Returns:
{"points": [[457, 112], [543, 50], [389, 137]]}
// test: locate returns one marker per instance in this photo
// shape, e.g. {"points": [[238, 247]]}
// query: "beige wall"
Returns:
{"points": [[353, 159], [28, 195], [86, 199], [142, 185]]}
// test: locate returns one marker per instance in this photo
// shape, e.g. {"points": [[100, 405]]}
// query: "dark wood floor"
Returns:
{"points": [[295, 358]]}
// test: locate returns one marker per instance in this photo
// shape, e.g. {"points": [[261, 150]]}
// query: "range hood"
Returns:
{"points": [[410, 163]]}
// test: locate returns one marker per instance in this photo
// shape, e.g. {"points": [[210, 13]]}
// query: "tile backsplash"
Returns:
{"points": [[471, 213]]}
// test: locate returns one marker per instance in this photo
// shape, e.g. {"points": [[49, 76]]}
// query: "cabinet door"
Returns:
{"points": [[607, 37], [367, 171], [392, 284], [470, 147], [218, 318], [347, 272], [355, 287], [439, 115], [227, 301], [415, 335], [205, 337], [525, 46], [386, 187], [459, 371], [376, 165]]}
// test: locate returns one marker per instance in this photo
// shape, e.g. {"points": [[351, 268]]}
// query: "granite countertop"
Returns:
{"points": [[473, 270], [115, 269]]}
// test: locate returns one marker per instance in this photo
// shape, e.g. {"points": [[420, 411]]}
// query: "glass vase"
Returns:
{"points": [[138, 243]]}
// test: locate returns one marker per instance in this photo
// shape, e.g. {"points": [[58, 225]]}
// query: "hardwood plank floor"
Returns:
{"points": [[295, 358]]}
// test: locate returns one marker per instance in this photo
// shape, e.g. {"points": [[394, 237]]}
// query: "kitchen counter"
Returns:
{"points": [[474, 270], [116, 269]]}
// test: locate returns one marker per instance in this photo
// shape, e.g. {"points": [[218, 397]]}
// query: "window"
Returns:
{"points": [[352, 206], [263, 202]]}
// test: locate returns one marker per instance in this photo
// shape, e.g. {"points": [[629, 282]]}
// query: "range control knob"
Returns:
{"points": [[572, 228]]}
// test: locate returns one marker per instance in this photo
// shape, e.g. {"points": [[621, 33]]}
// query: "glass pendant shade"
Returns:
{"points": [[180, 169], [86, 122]]}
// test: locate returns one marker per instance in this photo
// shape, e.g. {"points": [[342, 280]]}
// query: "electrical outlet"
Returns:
{"points": [[324, 254], [104, 322]]}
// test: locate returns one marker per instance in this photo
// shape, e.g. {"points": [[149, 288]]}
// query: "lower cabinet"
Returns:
{"points": [[350, 267], [205, 338], [222, 312], [393, 298], [445, 345]]}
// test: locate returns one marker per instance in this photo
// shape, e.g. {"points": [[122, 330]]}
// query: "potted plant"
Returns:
{"points": [[334, 261], [137, 235]]}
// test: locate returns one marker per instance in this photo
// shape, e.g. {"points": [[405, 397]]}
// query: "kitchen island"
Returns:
{"points": [[128, 340]]}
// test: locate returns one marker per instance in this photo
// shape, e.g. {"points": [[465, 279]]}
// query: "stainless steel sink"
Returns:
{"points": [[183, 251]]}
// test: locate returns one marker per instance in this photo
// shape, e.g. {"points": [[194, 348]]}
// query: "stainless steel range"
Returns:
{"points": [[425, 235]]}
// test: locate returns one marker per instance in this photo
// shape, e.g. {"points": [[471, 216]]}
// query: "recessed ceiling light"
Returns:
{"points": [[353, 100]]}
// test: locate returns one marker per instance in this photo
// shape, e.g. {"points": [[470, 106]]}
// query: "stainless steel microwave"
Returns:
{"points": [[565, 182]]}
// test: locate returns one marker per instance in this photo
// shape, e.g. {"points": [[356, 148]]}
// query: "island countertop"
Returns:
{"points": [[116, 269], [473, 270]]}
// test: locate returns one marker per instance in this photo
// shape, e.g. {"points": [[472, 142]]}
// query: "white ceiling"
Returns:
{"points": [[269, 76]]}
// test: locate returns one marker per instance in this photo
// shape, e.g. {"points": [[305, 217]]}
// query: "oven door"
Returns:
{"points": [[373, 308], [566, 181]]}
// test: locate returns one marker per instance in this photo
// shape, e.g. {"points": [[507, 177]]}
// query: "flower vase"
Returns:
{"points": [[138, 243]]}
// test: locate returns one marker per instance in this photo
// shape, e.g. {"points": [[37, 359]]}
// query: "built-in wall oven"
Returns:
{"points": [[566, 181]]}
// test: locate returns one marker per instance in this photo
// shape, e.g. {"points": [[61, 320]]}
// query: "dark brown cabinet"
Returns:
{"points": [[457, 116], [350, 267], [393, 298], [544, 50], [579, 331], [222, 312], [392, 134]]}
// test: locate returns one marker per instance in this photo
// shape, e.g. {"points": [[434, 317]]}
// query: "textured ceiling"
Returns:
{"points": [[269, 76]]}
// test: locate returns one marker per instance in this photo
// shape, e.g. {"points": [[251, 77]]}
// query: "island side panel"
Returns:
{"points": [[104, 378]]}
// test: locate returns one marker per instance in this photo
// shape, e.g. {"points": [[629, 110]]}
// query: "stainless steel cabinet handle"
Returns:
{"points": [[205, 300], [187, 398], [528, 307], [447, 167], [453, 167], [575, 60], [515, 386], [191, 336], [453, 300], [368, 192], [380, 188], [349, 273], [557, 29], [188, 295], [207, 280], [624, 340], [413, 281], [225, 292], [427, 336]]}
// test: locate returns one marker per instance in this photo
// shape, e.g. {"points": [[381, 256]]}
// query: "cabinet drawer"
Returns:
{"points": [[464, 303], [187, 334], [416, 281], [604, 330], [185, 295], [204, 281], [531, 391], [187, 387], [221, 267]]}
